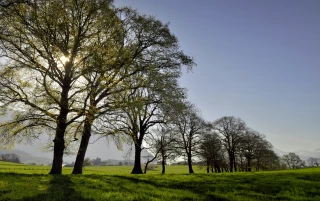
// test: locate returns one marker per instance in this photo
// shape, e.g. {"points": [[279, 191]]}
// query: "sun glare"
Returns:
{"points": [[64, 59]]}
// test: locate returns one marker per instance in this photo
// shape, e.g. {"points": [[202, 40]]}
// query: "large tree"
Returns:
{"points": [[48, 45]]}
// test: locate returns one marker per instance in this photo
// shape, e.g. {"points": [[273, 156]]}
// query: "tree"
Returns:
{"points": [[264, 153], [251, 145], [231, 130], [147, 107], [293, 160], [144, 47], [189, 127], [48, 44], [96, 161], [161, 144], [78, 53], [10, 157], [87, 162], [313, 162], [211, 151], [269, 161]]}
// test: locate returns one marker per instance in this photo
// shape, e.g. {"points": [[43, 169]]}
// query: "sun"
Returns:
{"points": [[64, 59]]}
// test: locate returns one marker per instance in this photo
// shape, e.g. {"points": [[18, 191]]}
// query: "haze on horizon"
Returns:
{"points": [[257, 60]]}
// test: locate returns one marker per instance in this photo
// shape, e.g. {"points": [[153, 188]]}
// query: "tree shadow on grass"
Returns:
{"points": [[201, 191], [61, 188]]}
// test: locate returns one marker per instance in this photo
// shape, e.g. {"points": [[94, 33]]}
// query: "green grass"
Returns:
{"points": [[115, 183]]}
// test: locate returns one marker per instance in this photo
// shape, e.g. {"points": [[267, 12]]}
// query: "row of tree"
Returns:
{"points": [[74, 68], [226, 144]]}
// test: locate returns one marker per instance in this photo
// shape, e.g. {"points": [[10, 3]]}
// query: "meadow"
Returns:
{"points": [[26, 182]]}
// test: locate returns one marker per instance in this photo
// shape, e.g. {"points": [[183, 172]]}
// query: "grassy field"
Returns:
{"points": [[25, 182]]}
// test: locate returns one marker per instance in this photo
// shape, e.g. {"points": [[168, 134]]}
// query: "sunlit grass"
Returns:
{"points": [[31, 169], [115, 183]]}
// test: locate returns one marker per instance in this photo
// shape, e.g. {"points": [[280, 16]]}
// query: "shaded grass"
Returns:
{"points": [[300, 184]]}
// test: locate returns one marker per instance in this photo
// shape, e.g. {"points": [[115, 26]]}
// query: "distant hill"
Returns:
{"points": [[27, 158], [304, 154]]}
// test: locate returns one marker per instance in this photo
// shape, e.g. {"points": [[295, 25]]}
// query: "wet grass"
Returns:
{"points": [[300, 184]]}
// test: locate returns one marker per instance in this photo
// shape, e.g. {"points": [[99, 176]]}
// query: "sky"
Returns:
{"points": [[256, 60]]}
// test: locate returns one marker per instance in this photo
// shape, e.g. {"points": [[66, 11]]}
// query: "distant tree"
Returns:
{"points": [[166, 142], [87, 162], [189, 127], [10, 157], [96, 161], [293, 160], [264, 155], [162, 145], [313, 162], [120, 163], [269, 161], [231, 131], [254, 146], [211, 152]]}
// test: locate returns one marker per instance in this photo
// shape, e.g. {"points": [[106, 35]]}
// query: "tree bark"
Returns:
{"points": [[249, 164], [86, 134], [218, 169], [61, 124], [163, 165], [231, 162], [137, 160], [58, 141], [190, 164], [58, 150], [146, 167]]}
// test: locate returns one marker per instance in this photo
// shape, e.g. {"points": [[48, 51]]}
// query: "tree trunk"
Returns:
{"points": [[137, 160], [219, 170], [58, 150], [258, 165], [86, 134], [234, 163], [163, 165], [231, 163], [208, 166], [190, 164], [249, 164], [146, 167], [58, 141]]}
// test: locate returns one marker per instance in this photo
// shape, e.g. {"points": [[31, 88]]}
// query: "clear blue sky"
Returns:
{"points": [[257, 60]]}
